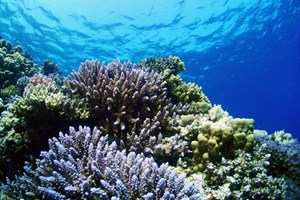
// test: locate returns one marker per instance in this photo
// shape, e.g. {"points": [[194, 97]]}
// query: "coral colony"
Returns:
{"points": [[130, 131]]}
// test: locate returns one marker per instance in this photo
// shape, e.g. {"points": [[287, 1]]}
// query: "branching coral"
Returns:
{"points": [[122, 98], [41, 93], [245, 177], [83, 165]]}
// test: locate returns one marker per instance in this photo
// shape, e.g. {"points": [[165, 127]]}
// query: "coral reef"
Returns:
{"points": [[146, 116], [22, 83], [215, 135], [26, 123], [8, 92], [83, 165], [173, 64], [245, 177], [178, 91], [122, 99], [51, 70], [285, 158], [14, 64]]}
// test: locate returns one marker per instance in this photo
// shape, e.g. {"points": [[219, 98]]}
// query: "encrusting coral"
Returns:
{"points": [[83, 165]]}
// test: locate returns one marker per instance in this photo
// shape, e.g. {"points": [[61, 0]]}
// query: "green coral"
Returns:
{"points": [[217, 139], [13, 137], [39, 97], [42, 112], [14, 64], [184, 92], [174, 64], [74, 107], [178, 90], [215, 135], [9, 91]]}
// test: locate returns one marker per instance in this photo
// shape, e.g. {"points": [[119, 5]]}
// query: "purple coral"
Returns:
{"points": [[83, 165], [123, 99]]}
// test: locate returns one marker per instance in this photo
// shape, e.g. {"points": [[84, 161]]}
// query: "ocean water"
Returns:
{"points": [[244, 53]]}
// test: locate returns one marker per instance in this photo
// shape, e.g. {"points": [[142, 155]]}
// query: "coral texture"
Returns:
{"points": [[285, 158], [83, 165], [29, 121], [8, 92], [215, 135], [245, 177], [14, 63], [178, 91], [122, 99], [173, 64]]}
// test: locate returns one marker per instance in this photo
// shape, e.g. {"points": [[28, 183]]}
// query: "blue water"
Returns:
{"points": [[245, 53]]}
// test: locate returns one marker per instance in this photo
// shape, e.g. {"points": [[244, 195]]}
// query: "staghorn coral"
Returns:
{"points": [[83, 165], [14, 64], [245, 177], [122, 98]]}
